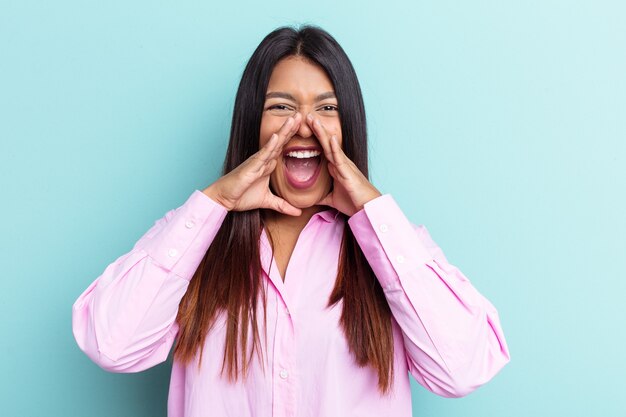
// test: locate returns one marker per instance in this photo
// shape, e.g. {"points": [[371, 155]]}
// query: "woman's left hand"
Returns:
{"points": [[351, 189]]}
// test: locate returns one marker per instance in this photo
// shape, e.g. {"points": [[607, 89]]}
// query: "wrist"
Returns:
{"points": [[370, 196], [214, 195]]}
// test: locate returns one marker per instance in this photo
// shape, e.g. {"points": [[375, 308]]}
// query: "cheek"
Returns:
{"points": [[264, 135], [335, 129], [268, 127]]}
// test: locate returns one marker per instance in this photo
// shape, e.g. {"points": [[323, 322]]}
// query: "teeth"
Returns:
{"points": [[303, 154]]}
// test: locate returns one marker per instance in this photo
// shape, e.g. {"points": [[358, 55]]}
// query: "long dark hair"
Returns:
{"points": [[224, 283]]}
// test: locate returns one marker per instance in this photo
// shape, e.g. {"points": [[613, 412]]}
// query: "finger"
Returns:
{"points": [[267, 149], [341, 162], [258, 162], [322, 135], [282, 206], [288, 129], [268, 168], [332, 171], [284, 134], [324, 138], [274, 145]]}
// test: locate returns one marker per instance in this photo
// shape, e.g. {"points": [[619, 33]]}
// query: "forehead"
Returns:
{"points": [[299, 77]]}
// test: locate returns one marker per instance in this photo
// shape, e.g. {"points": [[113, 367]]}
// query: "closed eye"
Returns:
{"points": [[329, 107], [280, 108]]}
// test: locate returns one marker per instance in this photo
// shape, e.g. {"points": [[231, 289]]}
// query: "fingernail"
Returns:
{"points": [[309, 117], [290, 120]]}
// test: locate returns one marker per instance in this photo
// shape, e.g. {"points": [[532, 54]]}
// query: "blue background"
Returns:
{"points": [[500, 125]]}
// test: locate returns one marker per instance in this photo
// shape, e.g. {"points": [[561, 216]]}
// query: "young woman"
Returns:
{"points": [[291, 285]]}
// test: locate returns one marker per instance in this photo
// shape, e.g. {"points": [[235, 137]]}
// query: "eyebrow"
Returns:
{"points": [[282, 94]]}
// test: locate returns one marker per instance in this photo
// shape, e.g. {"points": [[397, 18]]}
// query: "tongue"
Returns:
{"points": [[301, 169]]}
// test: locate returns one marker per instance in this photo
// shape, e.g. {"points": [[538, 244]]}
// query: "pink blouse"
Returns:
{"points": [[447, 335]]}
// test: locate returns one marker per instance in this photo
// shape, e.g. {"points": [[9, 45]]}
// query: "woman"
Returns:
{"points": [[291, 285]]}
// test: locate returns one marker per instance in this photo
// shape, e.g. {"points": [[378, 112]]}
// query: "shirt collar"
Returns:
{"points": [[329, 216]]}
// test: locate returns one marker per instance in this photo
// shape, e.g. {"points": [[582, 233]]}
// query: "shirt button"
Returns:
{"points": [[384, 228], [400, 259], [172, 252], [189, 224], [284, 374]]}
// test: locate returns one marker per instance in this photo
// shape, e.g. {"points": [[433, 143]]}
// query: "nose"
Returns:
{"points": [[304, 130]]}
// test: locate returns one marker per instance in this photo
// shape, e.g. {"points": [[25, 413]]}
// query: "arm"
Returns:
{"points": [[452, 334], [125, 320]]}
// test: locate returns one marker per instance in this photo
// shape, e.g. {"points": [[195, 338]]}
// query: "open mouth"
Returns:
{"points": [[302, 167]]}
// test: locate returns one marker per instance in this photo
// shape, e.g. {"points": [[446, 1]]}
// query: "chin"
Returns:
{"points": [[303, 202], [301, 198], [304, 199]]}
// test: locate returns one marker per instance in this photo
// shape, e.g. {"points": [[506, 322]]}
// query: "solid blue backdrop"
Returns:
{"points": [[498, 125]]}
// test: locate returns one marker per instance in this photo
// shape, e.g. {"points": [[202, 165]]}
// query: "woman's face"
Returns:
{"points": [[297, 86]]}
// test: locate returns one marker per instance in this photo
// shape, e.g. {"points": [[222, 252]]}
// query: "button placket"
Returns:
{"points": [[284, 363]]}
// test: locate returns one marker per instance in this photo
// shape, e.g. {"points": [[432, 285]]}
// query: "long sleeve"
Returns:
{"points": [[125, 320], [452, 335]]}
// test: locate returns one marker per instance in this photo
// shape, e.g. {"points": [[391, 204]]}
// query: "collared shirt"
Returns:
{"points": [[446, 334]]}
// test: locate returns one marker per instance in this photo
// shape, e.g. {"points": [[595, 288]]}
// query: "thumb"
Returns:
{"points": [[282, 206], [327, 201]]}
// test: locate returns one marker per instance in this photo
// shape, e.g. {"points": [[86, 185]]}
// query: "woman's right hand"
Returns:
{"points": [[247, 186]]}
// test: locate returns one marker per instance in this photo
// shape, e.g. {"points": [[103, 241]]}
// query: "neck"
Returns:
{"points": [[274, 219]]}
